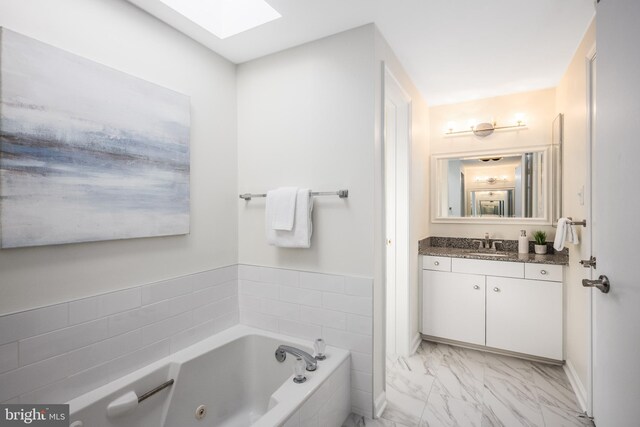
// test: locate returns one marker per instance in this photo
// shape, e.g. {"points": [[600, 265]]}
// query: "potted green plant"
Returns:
{"points": [[540, 238]]}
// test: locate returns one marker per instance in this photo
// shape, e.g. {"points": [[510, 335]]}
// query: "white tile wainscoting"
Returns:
{"points": [[55, 353], [315, 305], [328, 405]]}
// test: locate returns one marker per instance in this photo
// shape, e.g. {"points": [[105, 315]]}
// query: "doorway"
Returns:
{"points": [[397, 125]]}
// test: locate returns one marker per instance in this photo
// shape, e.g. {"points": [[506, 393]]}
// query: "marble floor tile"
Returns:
{"points": [[556, 417], [413, 382], [445, 411], [458, 384], [443, 385], [510, 403], [355, 420], [510, 367], [403, 408], [553, 387]]}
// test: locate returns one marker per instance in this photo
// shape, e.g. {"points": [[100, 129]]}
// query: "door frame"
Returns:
{"points": [[403, 158], [591, 123]]}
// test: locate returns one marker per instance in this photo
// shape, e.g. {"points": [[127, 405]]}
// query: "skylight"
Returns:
{"points": [[225, 18]]}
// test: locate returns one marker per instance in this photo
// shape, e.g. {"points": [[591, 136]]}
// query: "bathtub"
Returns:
{"points": [[237, 378]]}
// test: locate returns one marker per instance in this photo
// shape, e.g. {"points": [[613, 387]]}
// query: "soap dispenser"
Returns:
{"points": [[523, 242]]}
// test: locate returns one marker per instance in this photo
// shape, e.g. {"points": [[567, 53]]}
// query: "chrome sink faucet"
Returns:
{"points": [[487, 242], [281, 355]]}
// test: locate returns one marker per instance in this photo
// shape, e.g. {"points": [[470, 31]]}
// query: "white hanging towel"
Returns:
{"points": [[281, 207], [565, 233], [300, 235]]}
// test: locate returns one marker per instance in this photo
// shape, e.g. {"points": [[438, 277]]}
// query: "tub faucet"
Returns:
{"points": [[281, 355]]}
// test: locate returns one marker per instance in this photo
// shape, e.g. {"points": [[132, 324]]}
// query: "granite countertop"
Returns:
{"points": [[463, 248]]}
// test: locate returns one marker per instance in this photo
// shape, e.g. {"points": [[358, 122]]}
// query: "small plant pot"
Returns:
{"points": [[541, 249]]}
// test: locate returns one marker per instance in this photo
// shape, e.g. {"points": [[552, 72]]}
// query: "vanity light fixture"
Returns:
{"points": [[485, 129], [491, 179]]}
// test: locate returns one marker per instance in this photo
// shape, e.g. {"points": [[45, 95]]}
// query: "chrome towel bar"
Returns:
{"points": [[572, 222], [343, 194]]}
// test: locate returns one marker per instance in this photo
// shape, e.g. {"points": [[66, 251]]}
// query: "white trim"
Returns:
{"points": [[591, 56], [415, 343], [576, 384], [380, 404], [393, 89]]}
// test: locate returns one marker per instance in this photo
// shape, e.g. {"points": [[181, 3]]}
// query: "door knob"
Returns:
{"points": [[476, 287], [436, 263], [602, 283], [496, 289]]}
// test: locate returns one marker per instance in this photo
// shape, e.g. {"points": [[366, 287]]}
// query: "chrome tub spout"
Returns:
{"points": [[281, 355]]}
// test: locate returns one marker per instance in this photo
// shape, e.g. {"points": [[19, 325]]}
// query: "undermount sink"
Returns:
{"points": [[487, 254]]}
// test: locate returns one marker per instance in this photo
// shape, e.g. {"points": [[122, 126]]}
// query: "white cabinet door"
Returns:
{"points": [[525, 316], [453, 306]]}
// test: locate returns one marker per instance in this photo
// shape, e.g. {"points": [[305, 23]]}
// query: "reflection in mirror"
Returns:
{"points": [[492, 186]]}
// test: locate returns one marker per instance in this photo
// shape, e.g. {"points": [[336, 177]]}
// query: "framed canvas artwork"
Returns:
{"points": [[87, 153]]}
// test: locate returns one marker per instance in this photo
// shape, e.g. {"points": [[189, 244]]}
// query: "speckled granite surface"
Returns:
{"points": [[456, 247]]}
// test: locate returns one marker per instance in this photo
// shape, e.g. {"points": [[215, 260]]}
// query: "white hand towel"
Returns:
{"points": [[281, 208], [566, 233], [300, 235]]}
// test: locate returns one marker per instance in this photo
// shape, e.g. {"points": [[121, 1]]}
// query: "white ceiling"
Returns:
{"points": [[454, 50]]}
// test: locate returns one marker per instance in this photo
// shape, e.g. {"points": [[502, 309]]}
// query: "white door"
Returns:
{"points": [[397, 108], [616, 208]]}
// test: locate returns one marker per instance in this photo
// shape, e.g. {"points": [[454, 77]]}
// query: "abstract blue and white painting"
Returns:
{"points": [[87, 153]]}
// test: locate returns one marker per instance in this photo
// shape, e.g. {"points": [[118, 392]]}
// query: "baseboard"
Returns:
{"points": [[416, 343], [380, 404], [576, 384], [493, 350]]}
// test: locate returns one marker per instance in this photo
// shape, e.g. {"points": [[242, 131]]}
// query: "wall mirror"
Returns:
{"points": [[493, 186]]}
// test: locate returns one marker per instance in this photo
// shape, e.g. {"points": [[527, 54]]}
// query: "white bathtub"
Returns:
{"points": [[236, 376]]}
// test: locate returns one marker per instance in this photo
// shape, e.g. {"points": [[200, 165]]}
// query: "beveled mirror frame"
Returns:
{"points": [[436, 190]]}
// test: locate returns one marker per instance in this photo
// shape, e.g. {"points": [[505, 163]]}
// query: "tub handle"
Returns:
{"points": [[130, 400], [155, 390]]}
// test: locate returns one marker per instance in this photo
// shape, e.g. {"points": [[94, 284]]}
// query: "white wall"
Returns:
{"points": [[571, 96], [419, 203], [117, 34], [305, 119], [539, 111]]}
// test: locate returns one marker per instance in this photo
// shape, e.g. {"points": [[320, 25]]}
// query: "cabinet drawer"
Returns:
{"points": [[438, 263], [489, 268], [548, 272]]}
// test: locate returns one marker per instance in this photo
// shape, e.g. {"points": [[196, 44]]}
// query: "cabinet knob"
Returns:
{"points": [[496, 289], [476, 287], [436, 263], [543, 272]]}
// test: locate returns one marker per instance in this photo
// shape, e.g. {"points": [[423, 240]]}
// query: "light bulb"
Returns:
{"points": [[519, 118], [320, 346], [473, 123]]}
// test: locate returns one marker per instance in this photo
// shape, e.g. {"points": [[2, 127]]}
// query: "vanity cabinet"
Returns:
{"points": [[510, 306], [454, 306]]}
